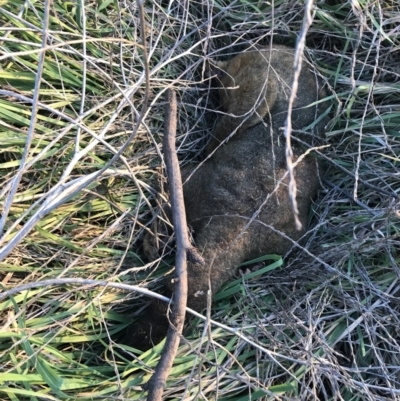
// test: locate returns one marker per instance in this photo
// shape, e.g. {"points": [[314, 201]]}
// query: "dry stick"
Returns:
{"points": [[157, 383], [288, 126]]}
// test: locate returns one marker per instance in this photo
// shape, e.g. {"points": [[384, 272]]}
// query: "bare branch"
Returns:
{"points": [[157, 383]]}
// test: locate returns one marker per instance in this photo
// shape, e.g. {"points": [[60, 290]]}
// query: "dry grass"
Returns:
{"points": [[322, 325]]}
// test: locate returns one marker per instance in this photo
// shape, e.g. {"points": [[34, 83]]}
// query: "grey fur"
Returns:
{"points": [[243, 176]]}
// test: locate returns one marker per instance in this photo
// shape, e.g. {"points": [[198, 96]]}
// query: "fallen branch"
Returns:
{"points": [[183, 247]]}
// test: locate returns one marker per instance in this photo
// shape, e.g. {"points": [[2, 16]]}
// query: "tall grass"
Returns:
{"points": [[321, 324]]}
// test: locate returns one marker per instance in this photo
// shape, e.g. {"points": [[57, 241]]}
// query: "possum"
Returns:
{"points": [[256, 85], [237, 201]]}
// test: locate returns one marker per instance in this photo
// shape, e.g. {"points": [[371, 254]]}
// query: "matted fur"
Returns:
{"points": [[232, 198]]}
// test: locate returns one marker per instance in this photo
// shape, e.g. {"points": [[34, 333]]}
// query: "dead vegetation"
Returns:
{"points": [[323, 324]]}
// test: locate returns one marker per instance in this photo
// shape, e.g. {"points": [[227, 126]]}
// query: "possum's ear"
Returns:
{"points": [[215, 69]]}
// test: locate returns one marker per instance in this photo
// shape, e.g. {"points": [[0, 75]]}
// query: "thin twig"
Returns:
{"points": [[79, 281], [32, 124], [84, 73], [298, 57], [157, 383]]}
